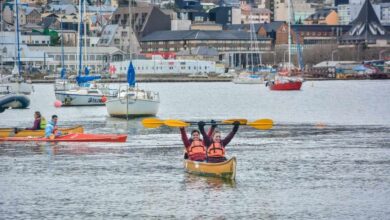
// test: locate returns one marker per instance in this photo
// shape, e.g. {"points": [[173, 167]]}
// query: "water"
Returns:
{"points": [[327, 157]]}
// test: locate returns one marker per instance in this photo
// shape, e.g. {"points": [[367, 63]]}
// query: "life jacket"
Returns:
{"points": [[42, 123], [196, 147], [216, 150]]}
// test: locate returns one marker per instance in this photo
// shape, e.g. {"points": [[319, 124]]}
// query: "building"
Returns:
{"points": [[367, 29], [121, 37], [145, 19], [254, 15], [223, 41], [225, 15], [199, 53], [323, 16], [98, 58]]}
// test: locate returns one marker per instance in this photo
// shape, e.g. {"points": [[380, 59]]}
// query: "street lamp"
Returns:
{"points": [[333, 52]]}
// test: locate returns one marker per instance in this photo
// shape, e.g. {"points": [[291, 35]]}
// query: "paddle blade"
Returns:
{"points": [[242, 121], [152, 122], [175, 123], [262, 124]]}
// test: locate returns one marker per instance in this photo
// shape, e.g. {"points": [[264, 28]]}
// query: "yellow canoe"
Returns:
{"points": [[10, 132], [225, 170]]}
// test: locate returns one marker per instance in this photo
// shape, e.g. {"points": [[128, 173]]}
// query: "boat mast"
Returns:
{"points": [[17, 62], [62, 50], [289, 36], [80, 37], [85, 59]]}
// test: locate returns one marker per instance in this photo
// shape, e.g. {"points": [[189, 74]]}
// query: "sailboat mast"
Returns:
{"points": [[85, 35], [130, 30], [62, 46], [80, 36], [17, 36], [289, 36]]}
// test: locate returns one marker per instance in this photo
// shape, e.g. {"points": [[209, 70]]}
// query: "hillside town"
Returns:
{"points": [[219, 36]]}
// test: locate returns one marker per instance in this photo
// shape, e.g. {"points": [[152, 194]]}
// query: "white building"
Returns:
{"points": [[97, 59]]}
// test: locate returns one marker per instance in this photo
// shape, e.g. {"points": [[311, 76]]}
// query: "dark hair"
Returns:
{"points": [[54, 116], [38, 113], [193, 131]]}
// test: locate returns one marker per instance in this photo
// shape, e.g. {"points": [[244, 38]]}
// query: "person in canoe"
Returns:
{"points": [[195, 149], [39, 122], [215, 145], [51, 130]]}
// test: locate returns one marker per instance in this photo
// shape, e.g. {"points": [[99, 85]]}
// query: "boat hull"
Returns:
{"points": [[225, 170], [69, 99], [135, 107], [286, 86], [10, 132], [72, 138]]}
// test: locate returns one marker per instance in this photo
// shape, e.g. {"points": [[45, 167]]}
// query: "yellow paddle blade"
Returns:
{"points": [[152, 122], [242, 121], [262, 124], [175, 123]]}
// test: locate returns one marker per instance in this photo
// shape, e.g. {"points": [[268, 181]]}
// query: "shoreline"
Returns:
{"points": [[174, 79]]}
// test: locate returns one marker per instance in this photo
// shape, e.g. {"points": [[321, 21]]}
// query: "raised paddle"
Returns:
{"points": [[155, 122], [260, 124]]}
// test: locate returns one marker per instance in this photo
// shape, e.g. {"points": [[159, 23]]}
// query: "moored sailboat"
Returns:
{"points": [[286, 80], [133, 101]]}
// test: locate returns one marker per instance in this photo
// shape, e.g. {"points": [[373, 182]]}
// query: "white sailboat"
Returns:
{"points": [[133, 101], [251, 75], [84, 94]]}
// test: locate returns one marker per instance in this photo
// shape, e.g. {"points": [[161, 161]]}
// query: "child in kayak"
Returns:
{"points": [[194, 147], [51, 130], [216, 146], [39, 122]]}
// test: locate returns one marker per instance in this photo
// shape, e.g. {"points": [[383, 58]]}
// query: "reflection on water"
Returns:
{"points": [[327, 157], [196, 182]]}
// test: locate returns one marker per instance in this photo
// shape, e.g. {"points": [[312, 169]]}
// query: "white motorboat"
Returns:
{"points": [[85, 96], [248, 78], [133, 102]]}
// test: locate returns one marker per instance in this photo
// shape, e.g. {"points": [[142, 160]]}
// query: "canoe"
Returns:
{"points": [[74, 138], [225, 170], [10, 132]]}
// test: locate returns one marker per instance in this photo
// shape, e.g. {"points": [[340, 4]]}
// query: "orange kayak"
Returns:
{"points": [[74, 138]]}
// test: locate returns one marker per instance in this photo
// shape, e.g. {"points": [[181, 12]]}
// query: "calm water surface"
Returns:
{"points": [[327, 157]]}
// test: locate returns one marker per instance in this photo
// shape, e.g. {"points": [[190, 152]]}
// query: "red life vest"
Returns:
{"points": [[197, 149], [216, 150]]}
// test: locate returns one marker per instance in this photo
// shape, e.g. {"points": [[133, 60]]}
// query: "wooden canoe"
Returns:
{"points": [[10, 132], [225, 170], [73, 138]]}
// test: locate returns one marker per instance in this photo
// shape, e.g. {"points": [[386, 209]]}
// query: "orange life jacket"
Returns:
{"points": [[216, 150], [196, 147]]}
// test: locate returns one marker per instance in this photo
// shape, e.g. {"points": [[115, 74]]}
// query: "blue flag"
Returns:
{"points": [[131, 75], [63, 73], [86, 71]]}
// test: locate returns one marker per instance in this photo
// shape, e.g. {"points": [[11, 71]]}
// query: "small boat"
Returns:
{"points": [[73, 138], [225, 170], [84, 96], [13, 101], [285, 83], [14, 132]]}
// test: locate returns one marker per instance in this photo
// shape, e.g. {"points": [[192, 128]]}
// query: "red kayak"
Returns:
{"points": [[74, 138]]}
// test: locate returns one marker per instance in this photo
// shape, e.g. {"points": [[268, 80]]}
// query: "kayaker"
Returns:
{"points": [[216, 146], [39, 122], [195, 147], [51, 130]]}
